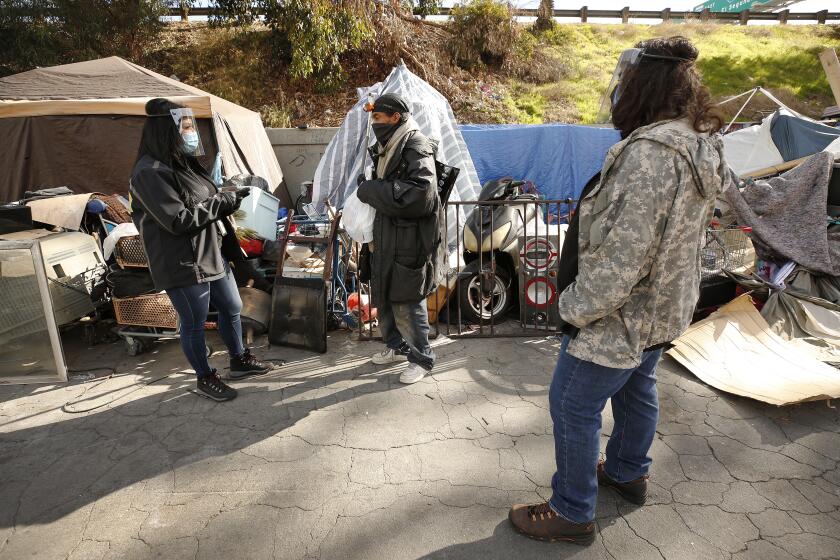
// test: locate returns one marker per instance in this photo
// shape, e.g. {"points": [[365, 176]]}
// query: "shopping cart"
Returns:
{"points": [[726, 248]]}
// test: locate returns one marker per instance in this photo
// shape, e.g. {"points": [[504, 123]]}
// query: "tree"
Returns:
{"points": [[313, 34], [545, 16], [310, 36], [233, 12], [184, 6], [47, 32], [425, 8], [484, 32]]}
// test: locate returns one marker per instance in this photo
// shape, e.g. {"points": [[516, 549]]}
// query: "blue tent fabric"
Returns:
{"points": [[796, 137], [558, 158]]}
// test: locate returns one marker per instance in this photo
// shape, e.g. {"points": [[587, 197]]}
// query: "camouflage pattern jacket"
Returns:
{"points": [[640, 236]]}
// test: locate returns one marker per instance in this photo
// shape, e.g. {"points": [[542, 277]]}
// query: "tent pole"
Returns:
{"points": [[738, 114], [734, 97]]}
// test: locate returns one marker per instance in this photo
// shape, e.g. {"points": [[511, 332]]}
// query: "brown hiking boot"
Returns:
{"points": [[634, 491], [539, 521]]}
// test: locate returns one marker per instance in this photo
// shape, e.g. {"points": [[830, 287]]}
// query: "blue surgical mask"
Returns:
{"points": [[190, 142]]}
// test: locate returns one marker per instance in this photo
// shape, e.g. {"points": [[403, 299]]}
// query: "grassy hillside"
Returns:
{"points": [[567, 69], [783, 59]]}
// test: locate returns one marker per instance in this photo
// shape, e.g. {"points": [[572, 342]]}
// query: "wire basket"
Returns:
{"points": [[725, 249], [130, 253], [154, 310]]}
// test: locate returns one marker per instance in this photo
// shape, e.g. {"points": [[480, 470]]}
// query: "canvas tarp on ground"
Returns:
{"points": [[558, 158], [346, 156], [79, 125], [735, 351]]}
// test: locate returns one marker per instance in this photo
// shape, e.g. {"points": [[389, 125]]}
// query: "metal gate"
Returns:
{"points": [[502, 274]]}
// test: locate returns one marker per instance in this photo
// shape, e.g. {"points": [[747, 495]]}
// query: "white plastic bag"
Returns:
{"points": [[357, 219]]}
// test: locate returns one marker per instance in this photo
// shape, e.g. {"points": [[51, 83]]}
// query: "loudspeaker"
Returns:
{"points": [[299, 313], [539, 258]]}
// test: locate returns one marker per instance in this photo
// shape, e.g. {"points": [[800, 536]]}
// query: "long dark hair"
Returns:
{"points": [[658, 89], [162, 141]]}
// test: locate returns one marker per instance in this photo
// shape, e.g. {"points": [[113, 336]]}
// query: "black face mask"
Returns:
{"points": [[384, 131]]}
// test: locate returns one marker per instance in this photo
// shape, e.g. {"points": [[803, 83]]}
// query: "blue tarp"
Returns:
{"points": [[796, 138], [558, 158]]}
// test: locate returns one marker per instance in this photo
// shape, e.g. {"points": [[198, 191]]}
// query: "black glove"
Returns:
{"points": [[240, 194], [229, 203]]}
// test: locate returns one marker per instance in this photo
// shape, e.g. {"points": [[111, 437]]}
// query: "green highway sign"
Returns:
{"points": [[731, 5]]}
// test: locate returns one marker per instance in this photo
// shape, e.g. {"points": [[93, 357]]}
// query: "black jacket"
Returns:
{"points": [[183, 243], [569, 255], [408, 250]]}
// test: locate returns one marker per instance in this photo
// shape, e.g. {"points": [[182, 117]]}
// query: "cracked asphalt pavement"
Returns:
{"points": [[330, 457]]}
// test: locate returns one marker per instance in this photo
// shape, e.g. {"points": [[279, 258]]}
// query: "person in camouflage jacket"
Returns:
{"points": [[637, 283], [641, 230]]}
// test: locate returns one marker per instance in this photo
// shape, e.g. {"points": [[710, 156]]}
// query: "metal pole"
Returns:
{"points": [[480, 208], [492, 270], [458, 261]]}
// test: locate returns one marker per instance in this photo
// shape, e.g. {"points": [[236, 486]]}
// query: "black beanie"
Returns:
{"points": [[391, 103]]}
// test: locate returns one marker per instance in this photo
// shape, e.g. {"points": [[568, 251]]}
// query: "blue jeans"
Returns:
{"points": [[193, 304], [407, 323], [578, 394]]}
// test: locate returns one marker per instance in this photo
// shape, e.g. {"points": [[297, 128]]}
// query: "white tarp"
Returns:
{"points": [[752, 148], [735, 351], [346, 156]]}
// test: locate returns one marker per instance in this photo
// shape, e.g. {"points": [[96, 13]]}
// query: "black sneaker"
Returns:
{"points": [[246, 365], [212, 387]]}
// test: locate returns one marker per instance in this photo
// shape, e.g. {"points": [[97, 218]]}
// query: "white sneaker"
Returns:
{"points": [[413, 374], [388, 356]]}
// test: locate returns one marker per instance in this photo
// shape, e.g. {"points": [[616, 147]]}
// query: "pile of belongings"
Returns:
{"points": [[796, 234], [789, 352], [303, 262]]}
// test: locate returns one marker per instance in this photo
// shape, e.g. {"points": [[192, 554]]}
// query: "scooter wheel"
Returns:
{"points": [[478, 307]]}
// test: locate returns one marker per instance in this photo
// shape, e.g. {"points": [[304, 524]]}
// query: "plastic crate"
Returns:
{"points": [[154, 310], [260, 209], [725, 248], [130, 253]]}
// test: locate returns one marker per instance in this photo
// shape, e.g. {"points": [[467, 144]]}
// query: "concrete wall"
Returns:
{"points": [[299, 151]]}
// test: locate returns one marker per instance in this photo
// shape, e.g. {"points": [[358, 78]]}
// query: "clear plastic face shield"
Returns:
{"points": [[627, 62], [628, 59], [188, 129]]}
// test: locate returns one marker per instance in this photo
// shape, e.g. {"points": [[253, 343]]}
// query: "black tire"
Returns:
{"points": [[146, 344], [472, 302]]}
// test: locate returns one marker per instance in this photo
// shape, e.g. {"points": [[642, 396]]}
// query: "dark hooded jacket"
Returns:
{"points": [[183, 241], [407, 255]]}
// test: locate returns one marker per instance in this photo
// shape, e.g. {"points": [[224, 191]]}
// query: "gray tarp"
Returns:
{"points": [[788, 216]]}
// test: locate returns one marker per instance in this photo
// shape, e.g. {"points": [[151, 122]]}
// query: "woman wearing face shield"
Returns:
{"points": [[183, 221], [635, 282]]}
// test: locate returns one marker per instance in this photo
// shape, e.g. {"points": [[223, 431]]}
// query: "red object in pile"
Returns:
{"points": [[252, 247], [353, 306]]}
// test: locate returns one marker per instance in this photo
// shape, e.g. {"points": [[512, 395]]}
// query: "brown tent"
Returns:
{"points": [[79, 125]]}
